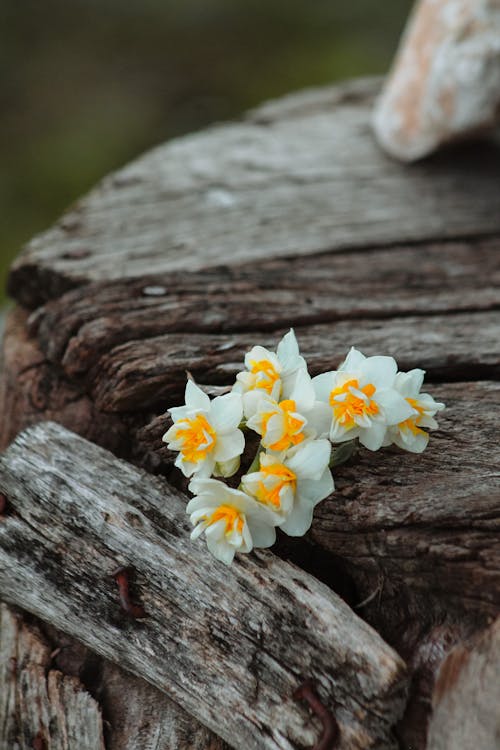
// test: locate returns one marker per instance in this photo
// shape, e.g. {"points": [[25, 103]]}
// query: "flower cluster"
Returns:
{"points": [[297, 418]]}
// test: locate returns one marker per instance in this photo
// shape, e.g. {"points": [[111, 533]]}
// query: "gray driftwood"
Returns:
{"points": [[40, 708], [229, 645], [299, 177]]}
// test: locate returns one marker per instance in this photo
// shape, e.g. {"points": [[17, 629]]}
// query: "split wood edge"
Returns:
{"points": [[229, 645]]}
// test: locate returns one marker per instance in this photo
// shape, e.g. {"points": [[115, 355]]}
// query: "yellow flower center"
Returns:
{"points": [[265, 374], [292, 426], [412, 422], [282, 477], [346, 405], [198, 438], [232, 517]]}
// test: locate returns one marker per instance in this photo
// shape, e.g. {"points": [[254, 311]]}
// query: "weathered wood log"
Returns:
{"points": [[150, 373], [230, 645], [298, 177], [55, 688], [39, 706], [467, 696], [415, 539]]}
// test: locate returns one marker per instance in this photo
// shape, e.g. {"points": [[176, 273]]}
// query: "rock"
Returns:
{"points": [[445, 81]]}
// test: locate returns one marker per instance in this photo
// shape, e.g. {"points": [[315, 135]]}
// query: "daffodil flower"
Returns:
{"points": [[360, 400], [282, 424], [269, 373], [292, 483], [206, 432], [232, 520], [409, 434]]}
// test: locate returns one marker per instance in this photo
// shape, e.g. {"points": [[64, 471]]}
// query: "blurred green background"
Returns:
{"points": [[86, 85]]}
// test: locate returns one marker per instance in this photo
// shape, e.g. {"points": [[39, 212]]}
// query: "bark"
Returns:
{"points": [[229, 645]]}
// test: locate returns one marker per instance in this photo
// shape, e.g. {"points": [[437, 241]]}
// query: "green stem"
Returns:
{"points": [[342, 453]]}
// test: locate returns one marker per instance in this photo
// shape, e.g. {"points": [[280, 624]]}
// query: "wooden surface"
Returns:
{"points": [[467, 696], [218, 241], [229, 645], [37, 701], [298, 177], [53, 688]]}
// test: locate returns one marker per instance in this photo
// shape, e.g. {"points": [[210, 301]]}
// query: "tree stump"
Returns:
{"points": [[180, 262]]}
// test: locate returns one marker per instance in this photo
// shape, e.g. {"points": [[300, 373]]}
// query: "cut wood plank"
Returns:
{"points": [[299, 177], [39, 702], [230, 645], [467, 696], [403, 281]]}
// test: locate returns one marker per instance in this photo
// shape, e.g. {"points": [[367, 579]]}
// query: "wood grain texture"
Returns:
{"points": [[37, 701], [31, 390], [229, 645], [151, 374], [467, 696], [425, 528], [140, 717], [298, 177], [430, 278]]}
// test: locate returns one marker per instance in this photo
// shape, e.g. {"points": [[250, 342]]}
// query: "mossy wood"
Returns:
{"points": [[180, 262]]}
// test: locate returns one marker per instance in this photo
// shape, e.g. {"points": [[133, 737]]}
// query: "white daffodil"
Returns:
{"points": [[409, 434], [232, 520], [206, 432], [291, 484], [283, 424], [360, 400], [269, 373]]}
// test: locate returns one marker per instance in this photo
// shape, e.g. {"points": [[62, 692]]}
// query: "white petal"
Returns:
{"points": [[197, 531], [275, 430], [205, 468], [195, 398], [353, 361], [170, 434], [178, 412], [263, 535], [216, 531], [229, 446], [299, 520], [314, 491], [226, 412], [227, 468], [339, 434], [309, 460], [395, 408], [410, 442], [319, 419], [374, 437], [288, 350], [303, 391], [379, 371], [409, 383], [221, 550], [323, 385], [259, 354]]}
